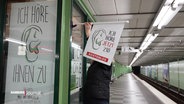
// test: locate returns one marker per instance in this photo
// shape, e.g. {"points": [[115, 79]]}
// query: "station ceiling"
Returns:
{"points": [[167, 47]]}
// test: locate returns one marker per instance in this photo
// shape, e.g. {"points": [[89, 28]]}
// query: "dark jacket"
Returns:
{"points": [[97, 82]]}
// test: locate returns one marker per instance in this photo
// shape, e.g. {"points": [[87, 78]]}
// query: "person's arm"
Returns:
{"points": [[88, 26]]}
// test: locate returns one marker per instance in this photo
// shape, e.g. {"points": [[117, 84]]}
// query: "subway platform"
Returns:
{"points": [[129, 89]]}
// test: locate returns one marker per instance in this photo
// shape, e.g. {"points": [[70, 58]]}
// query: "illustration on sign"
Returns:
{"points": [[97, 39], [30, 37]]}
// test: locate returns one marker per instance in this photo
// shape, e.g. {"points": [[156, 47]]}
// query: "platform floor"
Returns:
{"points": [[128, 90]]}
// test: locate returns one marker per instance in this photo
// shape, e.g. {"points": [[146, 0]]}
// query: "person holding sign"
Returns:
{"points": [[96, 89]]}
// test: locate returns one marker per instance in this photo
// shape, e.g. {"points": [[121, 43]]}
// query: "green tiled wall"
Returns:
{"points": [[119, 69]]}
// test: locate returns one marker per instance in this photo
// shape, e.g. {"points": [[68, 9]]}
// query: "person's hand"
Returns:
{"points": [[88, 28]]}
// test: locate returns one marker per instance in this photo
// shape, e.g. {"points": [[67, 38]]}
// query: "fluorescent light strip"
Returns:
{"points": [[147, 41], [165, 15], [136, 57], [178, 3], [160, 15], [146, 45], [168, 16], [15, 41], [48, 50], [75, 46], [147, 37], [162, 12], [153, 37], [167, 12]]}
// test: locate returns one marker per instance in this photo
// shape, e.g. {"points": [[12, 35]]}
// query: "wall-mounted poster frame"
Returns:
{"points": [[61, 66], [29, 52]]}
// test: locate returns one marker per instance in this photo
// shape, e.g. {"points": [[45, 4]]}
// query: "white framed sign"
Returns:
{"points": [[103, 41], [31, 53]]}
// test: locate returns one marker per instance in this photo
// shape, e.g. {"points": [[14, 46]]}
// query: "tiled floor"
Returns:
{"points": [[128, 90]]}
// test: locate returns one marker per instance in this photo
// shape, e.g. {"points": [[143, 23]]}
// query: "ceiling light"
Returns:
{"points": [[138, 54], [162, 12], [177, 3], [168, 16], [153, 37], [167, 12], [160, 15], [147, 37], [147, 41], [145, 45]]}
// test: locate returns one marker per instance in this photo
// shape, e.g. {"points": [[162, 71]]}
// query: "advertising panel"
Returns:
{"points": [[165, 73], [31, 53]]}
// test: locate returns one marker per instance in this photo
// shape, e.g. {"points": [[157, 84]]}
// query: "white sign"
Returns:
{"points": [[31, 53], [103, 41]]}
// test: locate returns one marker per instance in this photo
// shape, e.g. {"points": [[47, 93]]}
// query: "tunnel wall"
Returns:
{"points": [[136, 70]]}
